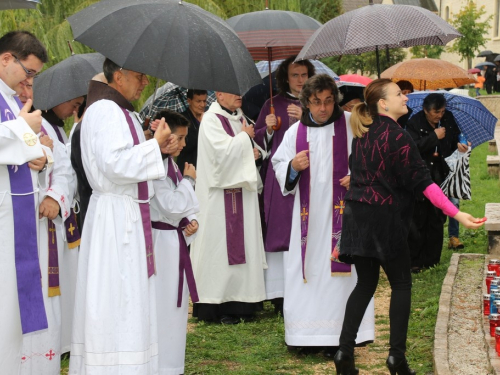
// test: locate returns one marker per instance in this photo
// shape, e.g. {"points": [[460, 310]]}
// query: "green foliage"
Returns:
{"points": [[322, 11], [432, 52], [473, 31], [366, 62]]}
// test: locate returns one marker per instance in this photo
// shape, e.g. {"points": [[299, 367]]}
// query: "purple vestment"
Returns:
{"points": [[277, 208]]}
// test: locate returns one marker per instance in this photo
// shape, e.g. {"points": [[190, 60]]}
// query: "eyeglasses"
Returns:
{"points": [[29, 73], [318, 103]]}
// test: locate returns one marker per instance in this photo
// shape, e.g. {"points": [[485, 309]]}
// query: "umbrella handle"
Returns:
{"points": [[278, 118], [145, 126]]}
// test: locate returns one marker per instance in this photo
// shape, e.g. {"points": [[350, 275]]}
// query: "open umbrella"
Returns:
{"points": [[485, 53], [474, 71], [273, 35], [472, 117], [355, 78], [429, 74], [483, 64], [18, 4], [378, 26], [170, 96], [319, 67], [66, 80], [172, 40]]}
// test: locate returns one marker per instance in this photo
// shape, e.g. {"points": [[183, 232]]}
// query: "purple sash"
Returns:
{"points": [[53, 265], [70, 224], [29, 284], [184, 259], [143, 195], [233, 206], [340, 164]]}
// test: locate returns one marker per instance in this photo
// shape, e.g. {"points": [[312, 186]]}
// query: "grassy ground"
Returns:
{"points": [[258, 347]]}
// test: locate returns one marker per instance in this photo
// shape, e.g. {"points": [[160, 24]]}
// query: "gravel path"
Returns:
{"points": [[467, 350]]}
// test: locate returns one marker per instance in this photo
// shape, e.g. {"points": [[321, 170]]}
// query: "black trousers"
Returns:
{"points": [[425, 238], [399, 275]]}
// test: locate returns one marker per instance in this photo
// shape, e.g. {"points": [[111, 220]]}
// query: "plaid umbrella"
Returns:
{"points": [[472, 117], [374, 26], [170, 96], [429, 74], [18, 4], [282, 31], [319, 67], [273, 34]]}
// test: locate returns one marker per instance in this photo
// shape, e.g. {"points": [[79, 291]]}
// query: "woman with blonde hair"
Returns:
{"points": [[386, 172]]}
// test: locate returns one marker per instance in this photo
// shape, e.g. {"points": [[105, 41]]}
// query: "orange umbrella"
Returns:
{"points": [[429, 74]]}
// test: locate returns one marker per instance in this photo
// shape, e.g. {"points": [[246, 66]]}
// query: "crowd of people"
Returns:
{"points": [[301, 208]]}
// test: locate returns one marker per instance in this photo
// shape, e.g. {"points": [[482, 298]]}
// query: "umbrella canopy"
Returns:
{"points": [[66, 80], [374, 26], [170, 96], [483, 64], [485, 53], [472, 117], [319, 67], [355, 78], [18, 4], [429, 74], [169, 39], [497, 58], [474, 71], [283, 31]]}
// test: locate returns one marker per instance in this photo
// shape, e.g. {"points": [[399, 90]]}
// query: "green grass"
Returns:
{"points": [[258, 347]]}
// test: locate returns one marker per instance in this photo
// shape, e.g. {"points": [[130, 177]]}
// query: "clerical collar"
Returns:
{"points": [[52, 118], [292, 96], [307, 119], [228, 111], [99, 90]]}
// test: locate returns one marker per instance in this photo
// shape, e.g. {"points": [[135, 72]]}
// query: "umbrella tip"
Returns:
{"points": [[70, 48]]}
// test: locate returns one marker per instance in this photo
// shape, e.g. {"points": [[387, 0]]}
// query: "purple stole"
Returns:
{"points": [[233, 206], [340, 164], [143, 195], [53, 265], [184, 260], [70, 224], [29, 284]]}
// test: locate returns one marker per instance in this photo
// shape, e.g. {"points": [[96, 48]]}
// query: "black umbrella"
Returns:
{"points": [[483, 64], [173, 40], [18, 4], [485, 53], [66, 80], [377, 26]]}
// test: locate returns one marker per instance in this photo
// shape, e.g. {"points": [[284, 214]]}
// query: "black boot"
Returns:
{"points": [[398, 366], [344, 364]]}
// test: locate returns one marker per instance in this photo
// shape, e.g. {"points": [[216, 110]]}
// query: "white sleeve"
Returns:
{"points": [[282, 157], [18, 143]]}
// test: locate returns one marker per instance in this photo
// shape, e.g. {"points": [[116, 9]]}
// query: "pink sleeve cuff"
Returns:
{"points": [[441, 201]]}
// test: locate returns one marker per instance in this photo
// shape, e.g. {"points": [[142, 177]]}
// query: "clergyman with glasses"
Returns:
{"points": [[312, 164]]}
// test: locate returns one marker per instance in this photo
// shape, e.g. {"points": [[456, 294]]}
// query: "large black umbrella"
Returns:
{"points": [[377, 26], [66, 80], [485, 53], [18, 4], [169, 39]]}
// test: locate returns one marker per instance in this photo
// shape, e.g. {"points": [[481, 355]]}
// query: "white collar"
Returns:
{"points": [[6, 89]]}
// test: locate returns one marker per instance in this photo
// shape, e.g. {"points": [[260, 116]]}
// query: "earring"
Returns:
{"points": [[386, 109]]}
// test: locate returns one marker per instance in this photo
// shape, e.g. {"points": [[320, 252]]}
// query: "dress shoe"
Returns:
{"points": [[399, 366], [330, 351], [455, 244], [228, 319], [344, 364]]}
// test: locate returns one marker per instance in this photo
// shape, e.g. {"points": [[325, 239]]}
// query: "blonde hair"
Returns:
{"points": [[363, 113]]}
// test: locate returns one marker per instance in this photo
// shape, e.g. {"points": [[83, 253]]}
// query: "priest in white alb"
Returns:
{"points": [[115, 326], [312, 164], [23, 172], [228, 254]]}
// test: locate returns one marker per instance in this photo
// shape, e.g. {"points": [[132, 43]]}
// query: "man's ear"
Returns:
{"points": [[5, 58], [117, 77]]}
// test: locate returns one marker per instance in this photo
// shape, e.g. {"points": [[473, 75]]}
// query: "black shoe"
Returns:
{"points": [[344, 364], [398, 366], [228, 319], [330, 351]]}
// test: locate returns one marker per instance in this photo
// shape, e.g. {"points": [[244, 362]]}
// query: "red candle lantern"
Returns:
{"points": [[494, 323], [494, 265], [490, 275], [486, 304]]}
